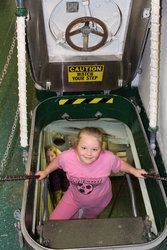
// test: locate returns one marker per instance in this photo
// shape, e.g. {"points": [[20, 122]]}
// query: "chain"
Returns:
{"points": [[4, 160], [19, 177], [4, 71]]}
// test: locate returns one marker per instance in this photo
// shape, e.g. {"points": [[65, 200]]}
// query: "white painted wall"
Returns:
{"points": [[143, 84]]}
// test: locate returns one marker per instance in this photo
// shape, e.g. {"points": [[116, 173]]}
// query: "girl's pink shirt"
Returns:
{"points": [[89, 182]]}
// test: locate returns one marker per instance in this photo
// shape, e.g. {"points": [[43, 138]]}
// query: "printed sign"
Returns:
{"points": [[85, 73]]}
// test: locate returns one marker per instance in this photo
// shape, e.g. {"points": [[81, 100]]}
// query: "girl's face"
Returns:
{"points": [[88, 149], [50, 156]]}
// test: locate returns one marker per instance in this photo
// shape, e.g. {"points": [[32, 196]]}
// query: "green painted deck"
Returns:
{"points": [[10, 192]]}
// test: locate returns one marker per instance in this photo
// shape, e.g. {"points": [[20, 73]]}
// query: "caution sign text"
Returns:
{"points": [[85, 73]]}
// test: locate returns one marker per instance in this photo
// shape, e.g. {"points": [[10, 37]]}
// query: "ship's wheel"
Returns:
{"points": [[86, 26]]}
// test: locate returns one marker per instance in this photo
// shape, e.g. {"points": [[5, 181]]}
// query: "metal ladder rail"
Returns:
{"points": [[132, 195]]}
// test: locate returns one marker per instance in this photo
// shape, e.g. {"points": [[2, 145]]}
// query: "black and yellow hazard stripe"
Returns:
{"points": [[95, 100]]}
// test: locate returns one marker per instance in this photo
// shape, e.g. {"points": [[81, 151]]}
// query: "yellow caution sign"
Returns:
{"points": [[85, 73]]}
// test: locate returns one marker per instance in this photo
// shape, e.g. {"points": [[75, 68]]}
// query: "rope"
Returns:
{"points": [[154, 65], [21, 54]]}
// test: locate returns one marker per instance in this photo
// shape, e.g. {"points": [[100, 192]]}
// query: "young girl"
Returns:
{"points": [[57, 179], [88, 169]]}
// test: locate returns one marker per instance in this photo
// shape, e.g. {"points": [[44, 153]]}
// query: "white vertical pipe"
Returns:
{"points": [[154, 67], [86, 4], [21, 54]]}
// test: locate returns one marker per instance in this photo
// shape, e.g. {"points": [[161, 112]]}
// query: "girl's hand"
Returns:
{"points": [[139, 173], [42, 174], [125, 167]]}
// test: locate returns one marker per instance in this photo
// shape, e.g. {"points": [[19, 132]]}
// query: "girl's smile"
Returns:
{"points": [[88, 149]]}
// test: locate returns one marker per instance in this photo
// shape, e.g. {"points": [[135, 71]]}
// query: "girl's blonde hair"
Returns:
{"points": [[91, 131]]}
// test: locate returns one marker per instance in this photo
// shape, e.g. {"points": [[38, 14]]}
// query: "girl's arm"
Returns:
{"points": [[50, 168], [125, 167]]}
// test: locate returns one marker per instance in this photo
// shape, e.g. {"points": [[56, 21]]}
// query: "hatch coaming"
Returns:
{"points": [[111, 107], [51, 55]]}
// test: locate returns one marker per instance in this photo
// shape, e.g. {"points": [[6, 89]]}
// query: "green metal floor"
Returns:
{"points": [[10, 192]]}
